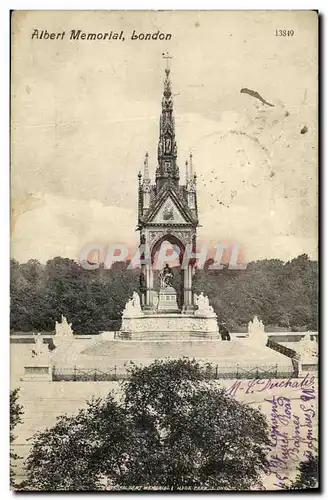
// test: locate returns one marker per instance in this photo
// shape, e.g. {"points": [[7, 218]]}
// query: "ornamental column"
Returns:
{"points": [[189, 286], [185, 288], [147, 286], [151, 284]]}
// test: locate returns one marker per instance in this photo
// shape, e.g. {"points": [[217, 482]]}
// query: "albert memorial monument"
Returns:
{"points": [[167, 212], [164, 317]]}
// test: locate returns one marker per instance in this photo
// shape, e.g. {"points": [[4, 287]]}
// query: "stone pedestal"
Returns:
{"points": [[38, 371], [165, 321], [174, 326], [108, 335], [307, 365], [167, 300], [39, 366], [308, 357]]}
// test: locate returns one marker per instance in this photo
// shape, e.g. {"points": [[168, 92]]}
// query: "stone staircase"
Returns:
{"points": [[170, 335], [108, 355]]}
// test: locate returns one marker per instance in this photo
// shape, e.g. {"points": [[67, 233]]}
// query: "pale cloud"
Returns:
{"points": [[69, 225]]}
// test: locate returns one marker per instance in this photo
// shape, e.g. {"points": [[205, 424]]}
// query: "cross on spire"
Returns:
{"points": [[167, 56]]}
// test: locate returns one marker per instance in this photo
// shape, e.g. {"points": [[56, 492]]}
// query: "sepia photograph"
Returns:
{"points": [[164, 324]]}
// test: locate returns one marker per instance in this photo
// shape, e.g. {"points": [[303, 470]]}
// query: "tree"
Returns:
{"points": [[75, 453], [173, 429], [16, 412], [308, 475]]}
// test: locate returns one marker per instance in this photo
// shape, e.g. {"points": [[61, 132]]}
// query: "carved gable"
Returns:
{"points": [[169, 213]]}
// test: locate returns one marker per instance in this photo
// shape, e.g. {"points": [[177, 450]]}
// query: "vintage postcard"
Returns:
{"points": [[164, 235]]}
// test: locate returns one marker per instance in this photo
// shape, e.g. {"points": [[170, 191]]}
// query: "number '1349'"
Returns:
{"points": [[284, 33]]}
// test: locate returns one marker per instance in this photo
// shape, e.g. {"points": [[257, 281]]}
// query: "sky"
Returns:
{"points": [[83, 114]]}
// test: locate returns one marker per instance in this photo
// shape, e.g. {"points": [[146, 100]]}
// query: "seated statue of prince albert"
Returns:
{"points": [[166, 277]]}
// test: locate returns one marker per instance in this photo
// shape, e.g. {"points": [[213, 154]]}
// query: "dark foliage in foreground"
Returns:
{"points": [[172, 430], [16, 412], [308, 475]]}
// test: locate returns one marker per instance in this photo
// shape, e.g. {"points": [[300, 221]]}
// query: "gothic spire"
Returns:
{"points": [[191, 166], [146, 168], [139, 177], [167, 148]]}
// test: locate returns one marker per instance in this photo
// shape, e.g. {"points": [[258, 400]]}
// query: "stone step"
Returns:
{"points": [[175, 335]]}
